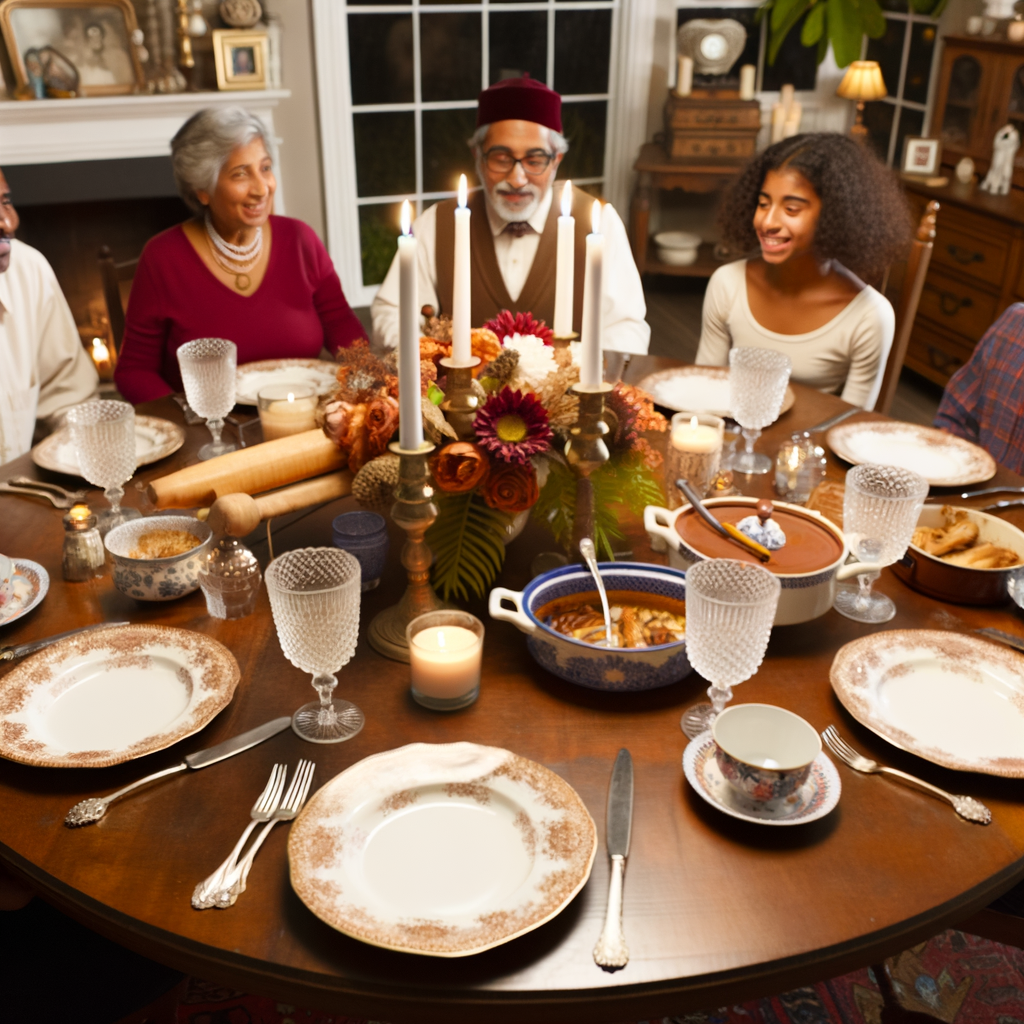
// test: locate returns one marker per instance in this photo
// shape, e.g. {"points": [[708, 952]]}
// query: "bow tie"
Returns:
{"points": [[517, 228]]}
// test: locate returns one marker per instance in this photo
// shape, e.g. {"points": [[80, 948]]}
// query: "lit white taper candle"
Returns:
{"points": [[410, 423], [593, 290], [461, 327], [565, 266]]}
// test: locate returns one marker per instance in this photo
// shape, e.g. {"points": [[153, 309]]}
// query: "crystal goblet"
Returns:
{"points": [[881, 506], [103, 434], [730, 607], [757, 386], [314, 596], [208, 373]]}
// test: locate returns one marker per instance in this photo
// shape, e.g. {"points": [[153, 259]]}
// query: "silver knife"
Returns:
{"points": [[833, 420], [85, 812], [21, 650], [611, 950], [1016, 642]]}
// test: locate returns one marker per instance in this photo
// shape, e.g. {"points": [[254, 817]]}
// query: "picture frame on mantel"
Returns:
{"points": [[921, 157], [242, 58], [93, 36]]}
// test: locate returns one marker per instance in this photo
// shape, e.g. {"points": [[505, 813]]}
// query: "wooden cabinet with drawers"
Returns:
{"points": [[976, 271]]}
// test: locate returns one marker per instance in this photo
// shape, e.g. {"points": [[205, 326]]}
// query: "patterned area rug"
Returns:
{"points": [[957, 978]]}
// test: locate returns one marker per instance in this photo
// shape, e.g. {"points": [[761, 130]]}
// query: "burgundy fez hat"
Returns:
{"points": [[520, 99]]}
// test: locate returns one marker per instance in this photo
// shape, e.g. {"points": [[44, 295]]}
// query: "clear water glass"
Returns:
{"points": [[103, 434], [208, 373], [757, 386], [881, 506], [730, 608], [314, 596]]}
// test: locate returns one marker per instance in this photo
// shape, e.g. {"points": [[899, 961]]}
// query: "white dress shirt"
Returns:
{"points": [[624, 308], [43, 367]]}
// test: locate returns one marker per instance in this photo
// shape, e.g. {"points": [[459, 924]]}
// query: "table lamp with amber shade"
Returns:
{"points": [[862, 82]]}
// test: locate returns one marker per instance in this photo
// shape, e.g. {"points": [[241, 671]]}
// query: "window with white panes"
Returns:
{"points": [[416, 69]]}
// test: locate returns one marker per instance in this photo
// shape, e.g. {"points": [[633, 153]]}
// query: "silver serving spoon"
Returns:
{"points": [[590, 557]]}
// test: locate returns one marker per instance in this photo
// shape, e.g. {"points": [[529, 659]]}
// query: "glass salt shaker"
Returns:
{"points": [[230, 579], [799, 467], [84, 557]]}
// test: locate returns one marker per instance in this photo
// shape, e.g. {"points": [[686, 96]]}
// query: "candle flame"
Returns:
{"points": [[440, 632], [463, 191], [693, 423], [595, 217], [99, 350], [291, 396], [80, 512], [794, 459], [406, 218], [567, 199]]}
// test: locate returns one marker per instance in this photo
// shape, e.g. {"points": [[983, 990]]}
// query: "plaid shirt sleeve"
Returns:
{"points": [[984, 400]]}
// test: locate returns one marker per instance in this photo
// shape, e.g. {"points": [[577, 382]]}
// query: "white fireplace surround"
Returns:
{"points": [[116, 127]]}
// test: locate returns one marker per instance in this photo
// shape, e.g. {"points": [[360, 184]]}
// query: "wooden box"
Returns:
{"points": [[711, 125]]}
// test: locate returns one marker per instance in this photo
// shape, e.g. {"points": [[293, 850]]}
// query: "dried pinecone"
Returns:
{"points": [[498, 372], [374, 485], [562, 405], [437, 327]]}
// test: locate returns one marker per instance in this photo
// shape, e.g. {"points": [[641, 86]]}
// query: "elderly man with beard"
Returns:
{"points": [[518, 146]]}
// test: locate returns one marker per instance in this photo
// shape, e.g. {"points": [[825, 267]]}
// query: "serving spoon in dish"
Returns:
{"points": [[589, 554]]}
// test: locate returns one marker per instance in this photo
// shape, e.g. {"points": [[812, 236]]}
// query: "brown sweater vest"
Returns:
{"points": [[489, 294]]}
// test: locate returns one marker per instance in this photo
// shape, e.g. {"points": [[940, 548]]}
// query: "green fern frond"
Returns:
{"points": [[467, 542]]}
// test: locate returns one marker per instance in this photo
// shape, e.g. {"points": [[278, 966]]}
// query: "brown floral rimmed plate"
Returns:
{"points": [[112, 695], [155, 439], [942, 459], [250, 378], [698, 389], [31, 582], [441, 849], [955, 700]]}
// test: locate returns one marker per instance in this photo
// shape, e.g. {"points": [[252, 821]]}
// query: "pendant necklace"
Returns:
{"points": [[236, 260]]}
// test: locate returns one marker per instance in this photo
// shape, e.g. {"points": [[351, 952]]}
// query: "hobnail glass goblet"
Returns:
{"points": [[881, 506], [208, 373], [730, 607], [757, 386], [103, 434], [314, 595]]}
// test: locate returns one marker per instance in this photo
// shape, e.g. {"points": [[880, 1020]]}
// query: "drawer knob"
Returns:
{"points": [[965, 256], [942, 362], [950, 303]]}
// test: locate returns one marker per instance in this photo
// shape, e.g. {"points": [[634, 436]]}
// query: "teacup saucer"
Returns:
{"points": [[818, 795], [31, 582]]}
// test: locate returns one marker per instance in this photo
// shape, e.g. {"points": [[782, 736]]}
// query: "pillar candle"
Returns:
{"points": [[410, 422], [748, 75], [684, 76], [694, 452], [565, 266], [792, 125], [287, 409], [461, 327], [593, 290], [786, 97], [778, 122]]}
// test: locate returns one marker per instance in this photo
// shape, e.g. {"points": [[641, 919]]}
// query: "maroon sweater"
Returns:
{"points": [[297, 310]]}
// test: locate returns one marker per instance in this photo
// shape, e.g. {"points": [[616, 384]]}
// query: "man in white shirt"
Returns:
{"points": [[43, 367], [518, 146]]}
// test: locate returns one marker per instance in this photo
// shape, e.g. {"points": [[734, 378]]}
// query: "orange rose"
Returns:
{"points": [[459, 466], [381, 424], [511, 488]]}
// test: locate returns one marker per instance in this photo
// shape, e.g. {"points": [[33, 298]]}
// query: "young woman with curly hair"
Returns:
{"points": [[825, 214]]}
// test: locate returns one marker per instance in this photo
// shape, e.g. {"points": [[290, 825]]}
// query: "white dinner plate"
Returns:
{"points": [[952, 699], [697, 389], [441, 849], [942, 459], [31, 582], [155, 438], [251, 378], [112, 695]]}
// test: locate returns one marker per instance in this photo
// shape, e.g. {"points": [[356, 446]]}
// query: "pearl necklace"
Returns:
{"points": [[235, 259]]}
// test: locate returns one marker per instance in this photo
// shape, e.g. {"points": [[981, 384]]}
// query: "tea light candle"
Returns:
{"points": [[798, 468], [102, 359], [445, 654], [694, 452], [286, 409]]}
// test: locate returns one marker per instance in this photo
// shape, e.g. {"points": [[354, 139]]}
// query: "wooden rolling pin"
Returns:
{"points": [[240, 514], [262, 467]]}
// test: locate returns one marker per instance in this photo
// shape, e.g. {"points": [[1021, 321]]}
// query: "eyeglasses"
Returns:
{"points": [[501, 161]]}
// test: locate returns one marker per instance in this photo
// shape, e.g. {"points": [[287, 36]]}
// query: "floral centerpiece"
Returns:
{"points": [[514, 463]]}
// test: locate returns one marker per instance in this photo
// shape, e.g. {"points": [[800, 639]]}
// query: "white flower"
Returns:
{"points": [[536, 360]]}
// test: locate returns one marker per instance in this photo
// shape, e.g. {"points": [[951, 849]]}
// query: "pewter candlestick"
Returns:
{"points": [[461, 402], [414, 511], [586, 452]]}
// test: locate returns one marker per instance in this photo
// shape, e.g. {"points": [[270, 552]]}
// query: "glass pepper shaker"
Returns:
{"points": [[84, 557], [230, 579], [799, 467]]}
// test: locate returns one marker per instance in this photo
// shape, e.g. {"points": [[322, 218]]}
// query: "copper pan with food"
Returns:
{"points": [[961, 556]]}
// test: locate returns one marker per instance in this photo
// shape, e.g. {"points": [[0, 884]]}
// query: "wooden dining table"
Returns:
{"points": [[716, 909]]}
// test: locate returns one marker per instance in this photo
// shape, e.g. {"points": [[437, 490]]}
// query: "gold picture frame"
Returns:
{"points": [[95, 36], [241, 56]]}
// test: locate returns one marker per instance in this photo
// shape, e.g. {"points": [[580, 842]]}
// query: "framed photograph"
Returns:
{"points": [[51, 41], [921, 157], [241, 58]]}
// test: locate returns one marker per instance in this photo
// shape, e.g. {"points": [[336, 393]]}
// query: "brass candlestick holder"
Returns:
{"points": [[461, 402], [563, 340], [414, 511], [586, 452]]}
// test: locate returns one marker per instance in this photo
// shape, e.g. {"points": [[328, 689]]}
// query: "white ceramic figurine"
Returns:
{"points": [[1000, 173]]}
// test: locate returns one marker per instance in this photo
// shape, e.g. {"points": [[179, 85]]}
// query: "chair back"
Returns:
{"points": [[905, 302], [112, 274]]}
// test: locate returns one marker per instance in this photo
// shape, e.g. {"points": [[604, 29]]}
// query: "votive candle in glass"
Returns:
{"points": [[445, 654], [286, 409], [694, 452], [799, 468]]}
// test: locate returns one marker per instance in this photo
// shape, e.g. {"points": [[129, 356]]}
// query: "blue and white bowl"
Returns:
{"points": [[618, 669], [157, 579]]}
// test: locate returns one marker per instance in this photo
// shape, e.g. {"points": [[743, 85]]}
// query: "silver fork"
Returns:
{"points": [[293, 802], [263, 810], [966, 806]]}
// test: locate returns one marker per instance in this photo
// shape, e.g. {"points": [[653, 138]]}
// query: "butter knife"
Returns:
{"points": [[611, 951], [833, 421], [21, 650], [1016, 642], [85, 812]]}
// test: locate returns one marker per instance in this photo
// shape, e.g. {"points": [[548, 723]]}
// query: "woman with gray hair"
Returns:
{"points": [[235, 271]]}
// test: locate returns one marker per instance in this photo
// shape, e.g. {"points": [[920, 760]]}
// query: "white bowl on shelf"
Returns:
{"points": [[678, 248]]}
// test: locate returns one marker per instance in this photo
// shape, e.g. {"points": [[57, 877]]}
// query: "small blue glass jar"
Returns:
{"points": [[365, 536]]}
